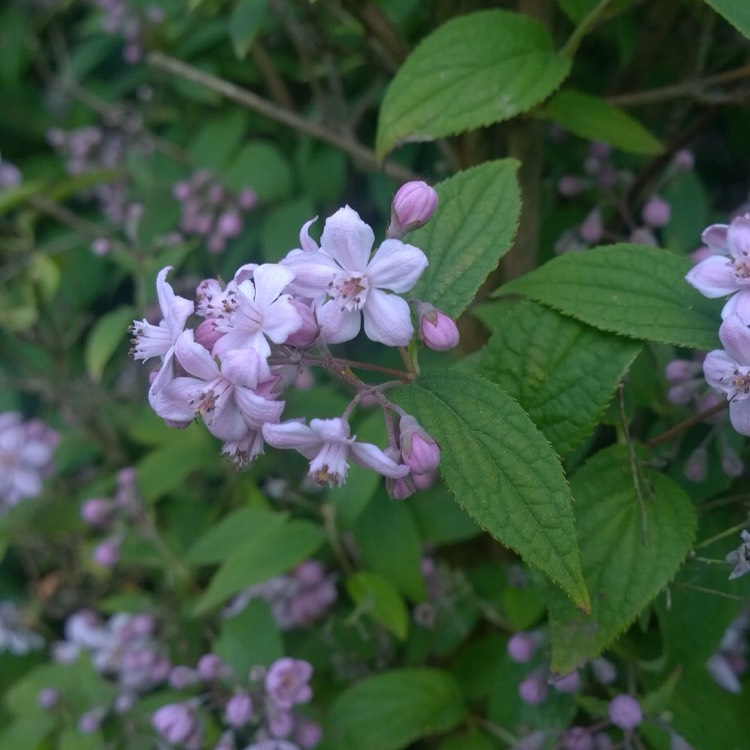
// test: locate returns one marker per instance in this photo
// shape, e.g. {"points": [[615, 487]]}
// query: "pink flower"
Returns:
{"points": [[287, 682], [329, 445], [347, 284]]}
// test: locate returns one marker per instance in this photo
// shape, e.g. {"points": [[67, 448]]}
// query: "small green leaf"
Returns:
{"points": [[26, 732], [105, 338], [502, 470], [472, 229], [16, 195], [474, 70], [379, 598], [400, 559], [737, 12], [244, 23], [261, 558], [633, 290], [389, 711], [262, 167], [628, 552], [231, 533], [216, 144], [563, 373], [595, 119]]}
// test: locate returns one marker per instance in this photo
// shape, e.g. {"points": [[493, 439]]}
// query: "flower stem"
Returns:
{"points": [[686, 423], [583, 28]]}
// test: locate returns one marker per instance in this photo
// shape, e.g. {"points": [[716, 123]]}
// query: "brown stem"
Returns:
{"points": [[274, 81], [365, 156], [341, 364], [686, 423]]}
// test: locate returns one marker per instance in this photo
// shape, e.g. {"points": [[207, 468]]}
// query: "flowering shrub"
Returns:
{"points": [[431, 430]]}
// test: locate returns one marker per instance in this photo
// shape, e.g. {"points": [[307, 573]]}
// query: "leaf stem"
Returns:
{"points": [[574, 40]]}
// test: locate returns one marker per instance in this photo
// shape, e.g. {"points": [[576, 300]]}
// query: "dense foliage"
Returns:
{"points": [[440, 437]]}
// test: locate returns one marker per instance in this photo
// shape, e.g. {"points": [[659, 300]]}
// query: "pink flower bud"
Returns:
{"points": [[682, 370], [247, 199], [533, 690], [424, 481], [206, 334], [604, 671], [656, 212], [48, 697], [569, 683], [412, 207], [419, 450], [307, 734], [521, 647], [625, 712], [697, 465], [592, 228], [182, 677], [309, 331], [100, 246], [437, 330], [570, 185], [229, 224], [683, 161], [239, 710], [107, 553], [175, 722], [97, 511], [211, 667], [310, 572]]}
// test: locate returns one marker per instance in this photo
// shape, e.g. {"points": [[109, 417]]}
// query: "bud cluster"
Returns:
{"points": [[259, 331], [26, 449], [123, 18], [210, 210]]}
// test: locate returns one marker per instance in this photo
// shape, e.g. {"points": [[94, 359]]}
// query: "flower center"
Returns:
{"points": [[741, 268], [349, 291], [741, 382]]}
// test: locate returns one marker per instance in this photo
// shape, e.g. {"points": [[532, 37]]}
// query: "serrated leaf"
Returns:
{"points": [[105, 338], [474, 70], [472, 229], [391, 710], [232, 532], [262, 557], [634, 290], [562, 372], [502, 470], [595, 119], [379, 598], [244, 23], [627, 558], [737, 12]]}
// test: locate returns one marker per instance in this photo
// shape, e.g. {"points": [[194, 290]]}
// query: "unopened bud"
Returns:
{"points": [[592, 228], [97, 511], [419, 450], [309, 331], [569, 683], [625, 712], [239, 710], [412, 207], [697, 465], [206, 334], [656, 212], [437, 330], [521, 647], [107, 553], [175, 722], [533, 690]]}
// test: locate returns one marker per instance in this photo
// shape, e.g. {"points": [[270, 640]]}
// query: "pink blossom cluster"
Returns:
{"points": [[113, 515], [262, 327], [297, 599], [601, 177], [211, 210], [726, 273], [124, 649], [26, 450], [258, 709], [123, 18], [730, 660]]}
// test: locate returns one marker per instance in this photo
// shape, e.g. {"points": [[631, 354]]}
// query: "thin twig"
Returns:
{"points": [[365, 156], [701, 416]]}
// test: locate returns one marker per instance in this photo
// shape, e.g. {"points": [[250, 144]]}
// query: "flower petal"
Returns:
{"points": [[270, 279], [387, 319], [337, 325], [738, 238], [739, 415], [313, 273], [715, 237], [194, 358], [347, 239], [396, 266], [713, 277], [176, 310], [294, 434], [718, 369], [735, 336], [370, 456]]}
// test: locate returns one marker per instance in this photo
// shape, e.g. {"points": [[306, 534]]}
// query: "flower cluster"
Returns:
{"points": [[26, 450], [120, 17], [261, 328], [609, 185], [297, 599], [210, 210], [259, 709]]}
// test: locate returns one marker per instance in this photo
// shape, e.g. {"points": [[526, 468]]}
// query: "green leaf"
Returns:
{"points": [[737, 12], [216, 144], [400, 560], [262, 167], [502, 470], [16, 195], [391, 710], [260, 558], [468, 739], [379, 598], [244, 23], [105, 338], [563, 373], [472, 229], [26, 732], [628, 552], [475, 70], [281, 228], [595, 119], [439, 519], [250, 638], [231, 533], [634, 290]]}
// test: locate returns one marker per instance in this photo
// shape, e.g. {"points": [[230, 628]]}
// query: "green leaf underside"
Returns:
{"points": [[634, 290], [379, 598], [473, 71], [262, 557], [562, 372], [623, 569], [391, 710], [472, 229], [595, 119], [502, 471], [104, 339], [736, 12]]}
